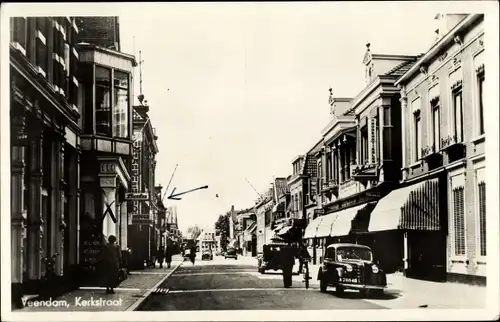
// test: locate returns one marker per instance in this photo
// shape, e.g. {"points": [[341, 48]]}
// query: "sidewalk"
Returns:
{"points": [[128, 294], [409, 293]]}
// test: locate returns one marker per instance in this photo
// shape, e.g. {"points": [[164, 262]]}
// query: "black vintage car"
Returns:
{"points": [[207, 255], [271, 257], [351, 266], [231, 253]]}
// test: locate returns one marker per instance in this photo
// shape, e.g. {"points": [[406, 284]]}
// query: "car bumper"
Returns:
{"points": [[362, 287]]}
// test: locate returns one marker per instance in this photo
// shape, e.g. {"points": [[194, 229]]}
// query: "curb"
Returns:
{"points": [[144, 296]]}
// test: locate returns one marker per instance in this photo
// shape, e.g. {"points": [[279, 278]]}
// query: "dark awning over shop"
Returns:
{"points": [[360, 222], [415, 207]]}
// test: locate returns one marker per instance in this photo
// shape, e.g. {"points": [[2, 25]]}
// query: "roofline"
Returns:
{"points": [[438, 46], [392, 56], [88, 46]]}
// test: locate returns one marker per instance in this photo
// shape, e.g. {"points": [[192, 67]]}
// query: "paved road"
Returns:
{"points": [[236, 285]]}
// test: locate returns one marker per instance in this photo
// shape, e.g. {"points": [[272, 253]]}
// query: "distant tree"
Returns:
{"points": [[194, 232], [222, 229]]}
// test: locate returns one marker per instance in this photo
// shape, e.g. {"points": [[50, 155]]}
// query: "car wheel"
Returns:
{"points": [[322, 284], [339, 290]]}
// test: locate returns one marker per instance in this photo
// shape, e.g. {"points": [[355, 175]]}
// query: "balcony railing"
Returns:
{"points": [[449, 141], [366, 171]]}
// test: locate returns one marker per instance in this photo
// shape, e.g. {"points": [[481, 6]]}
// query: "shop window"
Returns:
{"points": [[436, 134], [482, 217], [103, 100], [458, 116], [459, 221], [480, 86], [121, 104]]}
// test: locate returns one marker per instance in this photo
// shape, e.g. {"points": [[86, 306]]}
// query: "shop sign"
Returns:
{"points": [[91, 251], [372, 132], [141, 219], [144, 196]]}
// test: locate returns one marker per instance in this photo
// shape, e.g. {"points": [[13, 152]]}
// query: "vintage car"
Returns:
{"points": [[351, 266], [270, 257], [187, 253], [231, 253], [207, 255]]}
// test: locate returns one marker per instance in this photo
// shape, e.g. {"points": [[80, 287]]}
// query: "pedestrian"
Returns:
{"points": [[111, 258], [288, 260], [168, 255], [161, 254], [192, 254]]}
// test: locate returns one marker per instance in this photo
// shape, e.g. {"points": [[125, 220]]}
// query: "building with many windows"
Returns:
{"points": [[45, 124], [359, 162], [444, 142]]}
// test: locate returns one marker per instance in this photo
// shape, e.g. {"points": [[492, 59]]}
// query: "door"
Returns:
{"points": [[427, 255]]}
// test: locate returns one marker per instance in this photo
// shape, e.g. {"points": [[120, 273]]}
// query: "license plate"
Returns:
{"points": [[349, 280]]}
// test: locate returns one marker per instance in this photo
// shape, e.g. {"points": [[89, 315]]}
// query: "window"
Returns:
{"points": [[41, 52], [418, 136], [459, 221], [103, 100], [120, 110], [436, 135], [458, 116], [377, 137], [19, 31], [320, 176], [364, 145], [480, 85], [482, 217]]}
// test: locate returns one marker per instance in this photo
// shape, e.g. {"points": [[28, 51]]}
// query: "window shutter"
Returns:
{"points": [[482, 218], [459, 220]]}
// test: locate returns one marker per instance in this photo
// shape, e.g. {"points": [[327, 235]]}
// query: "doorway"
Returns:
{"points": [[427, 255]]}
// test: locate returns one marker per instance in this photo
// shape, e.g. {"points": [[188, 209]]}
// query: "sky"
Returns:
{"points": [[237, 90]]}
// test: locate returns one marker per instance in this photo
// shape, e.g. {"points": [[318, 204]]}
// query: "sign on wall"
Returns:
{"points": [[144, 196]]}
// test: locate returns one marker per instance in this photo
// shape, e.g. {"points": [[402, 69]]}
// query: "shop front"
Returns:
{"points": [[408, 231]]}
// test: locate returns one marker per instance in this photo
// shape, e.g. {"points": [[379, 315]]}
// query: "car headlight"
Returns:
{"points": [[375, 269], [349, 268]]}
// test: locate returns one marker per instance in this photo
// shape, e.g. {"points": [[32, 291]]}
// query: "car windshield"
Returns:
{"points": [[354, 253]]}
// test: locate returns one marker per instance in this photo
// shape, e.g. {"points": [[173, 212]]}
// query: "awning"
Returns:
{"points": [[284, 230], [280, 207], [278, 227], [311, 229], [415, 207], [360, 222], [325, 228], [341, 226]]}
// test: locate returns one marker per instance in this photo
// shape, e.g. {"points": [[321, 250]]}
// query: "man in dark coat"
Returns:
{"points": [[111, 258], [168, 255], [192, 254], [161, 255], [288, 260]]}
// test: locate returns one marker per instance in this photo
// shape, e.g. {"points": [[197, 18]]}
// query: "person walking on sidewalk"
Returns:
{"points": [[161, 255], [168, 255], [111, 258]]}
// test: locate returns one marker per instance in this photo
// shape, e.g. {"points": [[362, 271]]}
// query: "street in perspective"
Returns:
{"points": [[293, 157]]}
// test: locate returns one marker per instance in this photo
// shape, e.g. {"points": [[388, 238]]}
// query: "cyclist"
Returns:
{"points": [[303, 256]]}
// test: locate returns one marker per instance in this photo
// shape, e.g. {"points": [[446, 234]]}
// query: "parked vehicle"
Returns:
{"points": [[271, 257], [207, 255], [187, 253], [231, 253], [351, 266]]}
